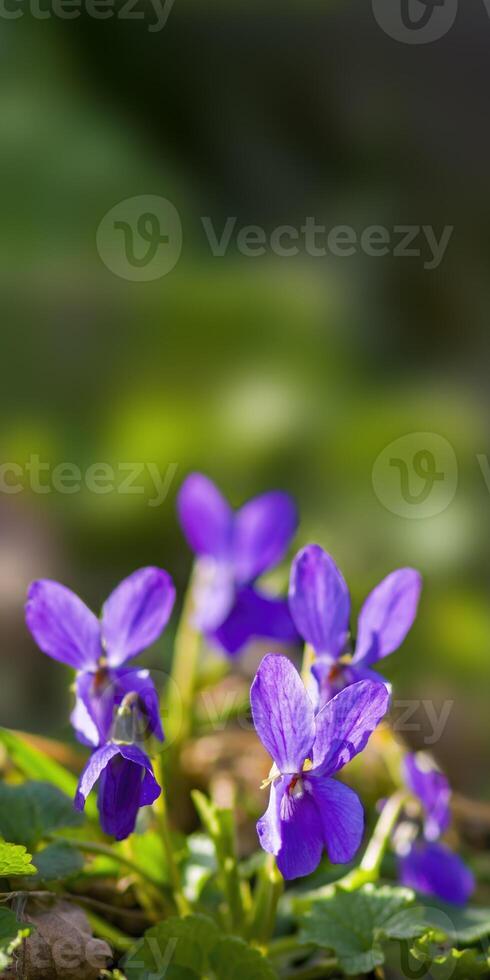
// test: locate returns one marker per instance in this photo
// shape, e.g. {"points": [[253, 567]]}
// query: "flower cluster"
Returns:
{"points": [[311, 728], [116, 706], [424, 863]]}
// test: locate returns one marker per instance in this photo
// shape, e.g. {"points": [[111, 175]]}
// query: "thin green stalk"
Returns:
{"points": [[317, 971], [180, 698], [370, 866], [287, 946], [105, 930], [269, 888], [233, 889], [161, 811], [221, 828], [383, 830], [91, 847]]}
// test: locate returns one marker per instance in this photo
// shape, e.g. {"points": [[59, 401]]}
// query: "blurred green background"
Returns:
{"points": [[263, 372]]}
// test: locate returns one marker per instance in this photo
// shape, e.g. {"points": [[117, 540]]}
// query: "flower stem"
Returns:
{"points": [[180, 697], [288, 948], [221, 829], [380, 839], [117, 939], [269, 888], [160, 807], [91, 847], [317, 971], [370, 865]]}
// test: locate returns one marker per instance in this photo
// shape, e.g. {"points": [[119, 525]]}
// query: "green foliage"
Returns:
{"points": [[11, 934], [183, 943], [30, 811], [14, 860], [36, 765], [461, 925], [149, 854], [221, 829], [58, 861], [361, 927], [354, 924], [232, 958], [199, 867], [188, 948], [426, 958]]}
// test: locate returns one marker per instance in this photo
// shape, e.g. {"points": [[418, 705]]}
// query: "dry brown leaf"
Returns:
{"points": [[61, 947]]}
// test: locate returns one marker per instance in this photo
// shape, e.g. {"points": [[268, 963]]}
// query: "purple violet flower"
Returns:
{"points": [[126, 782], [308, 810], [320, 606], [133, 617], [430, 785], [424, 864], [432, 869], [233, 549]]}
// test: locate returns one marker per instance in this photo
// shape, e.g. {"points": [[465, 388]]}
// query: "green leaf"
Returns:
{"points": [[9, 927], [199, 866], [232, 958], [58, 861], [188, 948], [34, 764], [149, 854], [461, 925], [354, 924], [176, 949], [11, 934], [30, 811], [14, 860], [220, 825], [426, 958]]}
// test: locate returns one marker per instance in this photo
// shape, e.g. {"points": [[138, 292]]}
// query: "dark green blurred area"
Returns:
{"points": [[264, 372]]}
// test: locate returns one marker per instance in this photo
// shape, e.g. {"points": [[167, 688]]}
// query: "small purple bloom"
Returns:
{"points": [[425, 864], [132, 618], [126, 782], [233, 549], [308, 810], [432, 788], [432, 869], [320, 606]]}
